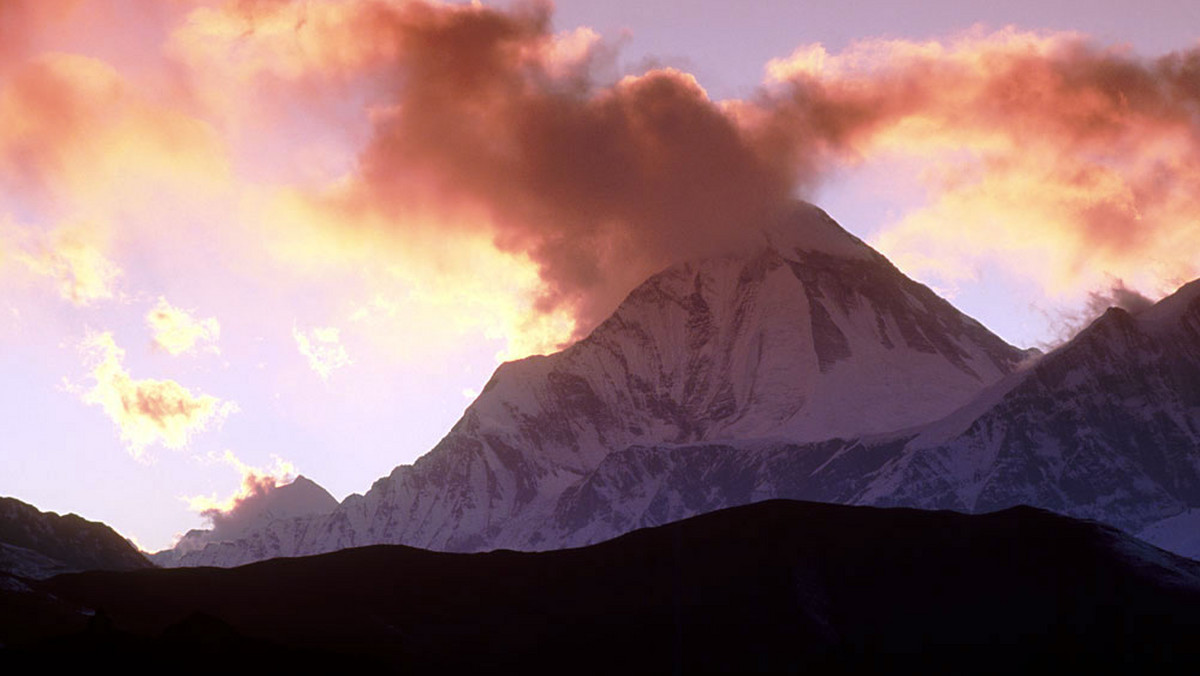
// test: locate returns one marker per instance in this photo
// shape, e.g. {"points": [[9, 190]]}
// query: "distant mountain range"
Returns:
{"points": [[806, 366], [774, 587]]}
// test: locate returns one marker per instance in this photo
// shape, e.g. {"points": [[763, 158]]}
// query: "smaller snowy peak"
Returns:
{"points": [[302, 498]]}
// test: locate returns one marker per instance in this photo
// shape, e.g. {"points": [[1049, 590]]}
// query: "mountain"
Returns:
{"points": [[297, 500], [808, 335], [1106, 427], [806, 367], [775, 587], [36, 544]]}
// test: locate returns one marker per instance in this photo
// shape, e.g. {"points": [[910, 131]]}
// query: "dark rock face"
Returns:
{"points": [[41, 544]]}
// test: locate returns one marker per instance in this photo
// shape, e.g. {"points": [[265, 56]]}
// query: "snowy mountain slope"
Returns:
{"points": [[1106, 427], [809, 335]]}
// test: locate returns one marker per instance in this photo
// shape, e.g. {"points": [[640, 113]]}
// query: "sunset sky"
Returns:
{"points": [[245, 240]]}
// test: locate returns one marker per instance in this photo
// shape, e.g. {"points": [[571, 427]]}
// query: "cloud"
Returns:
{"points": [[78, 131], [73, 259], [90, 161], [487, 123], [21, 21], [323, 349], [178, 332], [1031, 147], [147, 411], [1120, 296], [481, 147], [1060, 159]]}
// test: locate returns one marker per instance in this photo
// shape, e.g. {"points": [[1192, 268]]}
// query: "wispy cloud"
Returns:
{"points": [[178, 332], [146, 411], [323, 349], [71, 258]]}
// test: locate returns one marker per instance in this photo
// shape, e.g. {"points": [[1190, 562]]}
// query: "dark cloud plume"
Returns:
{"points": [[1069, 324], [601, 184], [496, 124], [1119, 296], [254, 493]]}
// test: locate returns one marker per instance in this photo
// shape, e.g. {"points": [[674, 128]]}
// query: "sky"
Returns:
{"points": [[244, 240]]}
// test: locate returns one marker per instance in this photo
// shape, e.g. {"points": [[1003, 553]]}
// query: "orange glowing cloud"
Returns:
{"points": [[76, 130], [485, 123], [1067, 162], [74, 260], [146, 412], [23, 20], [239, 41], [87, 159], [485, 150], [178, 332], [454, 284]]}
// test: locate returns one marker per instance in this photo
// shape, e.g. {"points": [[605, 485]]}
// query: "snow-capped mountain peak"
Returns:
{"points": [[808, 335]]}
